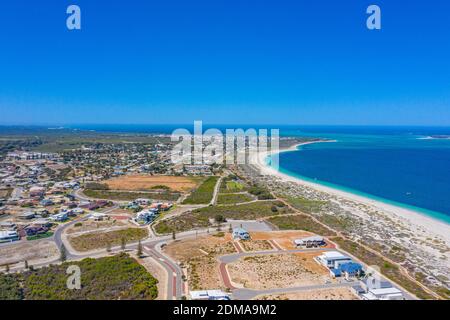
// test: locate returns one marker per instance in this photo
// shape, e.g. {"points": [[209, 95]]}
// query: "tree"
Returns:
{"points": [[139, 249], [123, 244], [62, 253]]}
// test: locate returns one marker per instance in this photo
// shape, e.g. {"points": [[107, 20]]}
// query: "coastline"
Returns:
{"points": [[411, 217]]}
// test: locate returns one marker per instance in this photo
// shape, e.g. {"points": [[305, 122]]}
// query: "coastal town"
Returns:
{"points": [[198, 232]]}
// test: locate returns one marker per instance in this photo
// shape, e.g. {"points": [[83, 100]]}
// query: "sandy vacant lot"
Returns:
{"points": [[146, 183], [200, 255], [278, 271], [31, 251], [256, 245], [322, 294]]}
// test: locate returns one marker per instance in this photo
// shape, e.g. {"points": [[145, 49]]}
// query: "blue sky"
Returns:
{"points": [[225, 61]]}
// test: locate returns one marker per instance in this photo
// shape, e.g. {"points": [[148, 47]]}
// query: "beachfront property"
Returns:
{"points": [[347, 270], [314, 241], [240, 234], [332, 259]]}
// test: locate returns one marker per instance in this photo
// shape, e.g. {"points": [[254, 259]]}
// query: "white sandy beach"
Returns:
{"points": [[410, 217]]}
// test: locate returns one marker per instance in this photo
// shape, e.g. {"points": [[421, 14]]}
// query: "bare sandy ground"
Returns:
{"points": [[320, 294], [200, 256], [277, 271], [32, 251]]}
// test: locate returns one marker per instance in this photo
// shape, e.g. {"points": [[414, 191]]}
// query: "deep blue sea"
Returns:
{"points": [[399, 165]]}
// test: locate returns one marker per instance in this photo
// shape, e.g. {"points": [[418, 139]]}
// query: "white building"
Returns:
{"points": [[59, 217], [332, 259], [9, 236], [383, 294], [209, 295]]}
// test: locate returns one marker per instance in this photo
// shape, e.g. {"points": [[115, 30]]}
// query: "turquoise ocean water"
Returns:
{"points": [[408, 167]]}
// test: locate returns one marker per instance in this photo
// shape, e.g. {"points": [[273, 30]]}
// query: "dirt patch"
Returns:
{"points": [[200, 255], [147, 183], [30, 251], [256, 245], [321, 294], [278, 271]]}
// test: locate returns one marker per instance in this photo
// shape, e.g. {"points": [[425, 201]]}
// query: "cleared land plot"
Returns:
{"points": [[98, 240], [300, 222], [256, 245], [146, 183], [320, 294], [200, 218], [130, 196], [204, 193], [232, 198], [278, 271], [30, 251], [201, 257]]}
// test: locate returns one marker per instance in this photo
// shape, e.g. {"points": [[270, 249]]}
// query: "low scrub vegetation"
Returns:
{"points": [[204, 193], [300, 222], [110, 278], [201, 218], [97, 240], [232, 198]]}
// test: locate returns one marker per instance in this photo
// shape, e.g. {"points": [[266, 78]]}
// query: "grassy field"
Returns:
{"points": [[109, 278], [203, 194], [232, 198], [130, 196], [231, 186], [300, 222], [386, 268], [200, 218], [99, 240]]}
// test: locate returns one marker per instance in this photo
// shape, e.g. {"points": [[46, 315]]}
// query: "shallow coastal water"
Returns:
{"points": [[395, 165]]}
